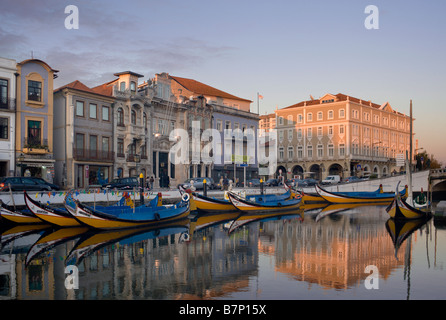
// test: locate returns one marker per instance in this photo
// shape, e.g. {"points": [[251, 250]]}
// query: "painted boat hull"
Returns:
{"points": [[19, 217], [142, 217], [59, 217], [358, 197], [399, 209], [268, 206]]}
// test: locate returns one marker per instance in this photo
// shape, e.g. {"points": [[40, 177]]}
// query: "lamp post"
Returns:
{"points": [[20, 164]]}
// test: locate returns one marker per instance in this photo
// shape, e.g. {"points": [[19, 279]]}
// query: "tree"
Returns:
{"points": [[426, 161]]}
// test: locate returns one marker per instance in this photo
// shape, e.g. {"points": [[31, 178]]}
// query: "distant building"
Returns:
{"points": [[8, 71], [83, 136], [340, 134], [34, 119]]}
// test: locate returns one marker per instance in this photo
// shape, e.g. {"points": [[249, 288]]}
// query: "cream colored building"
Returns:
{"points": [[340, 134]]}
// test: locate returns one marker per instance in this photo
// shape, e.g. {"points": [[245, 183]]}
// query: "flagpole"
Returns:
{"points": [[258, 108]]}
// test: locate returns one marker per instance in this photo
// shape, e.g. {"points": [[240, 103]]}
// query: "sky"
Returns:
{"points": [[286, 50]]}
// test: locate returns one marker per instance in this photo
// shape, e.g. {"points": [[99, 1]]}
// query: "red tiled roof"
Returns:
{"points": [[339, 97], [77, 85], [203, 89]]}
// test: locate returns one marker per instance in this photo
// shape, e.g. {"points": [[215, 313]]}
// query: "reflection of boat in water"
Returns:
{"points": [[26, 234], [400, 230], [245, 205], [93, 241], [400, 209], [343, 207], [18, 216], [52, 238], [246, 218], [203, 221]]}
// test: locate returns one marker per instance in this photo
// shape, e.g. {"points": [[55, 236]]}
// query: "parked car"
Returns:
{"points": [[272, 182], [122, 183], [26, 183], [311, 182], [253, 183], [333, 179], [298, 183], [199, 183], [352, 179]]}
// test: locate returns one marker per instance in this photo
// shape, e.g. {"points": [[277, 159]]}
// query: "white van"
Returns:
{"points": [[334, 179]]}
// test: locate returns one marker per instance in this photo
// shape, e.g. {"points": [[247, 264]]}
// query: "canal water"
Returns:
{"points": [[334, 252]]}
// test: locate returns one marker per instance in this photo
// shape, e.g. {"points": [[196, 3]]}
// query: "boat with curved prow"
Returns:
{"points": [[16, 216], [132, 217], [357, 196], [245, 205], [400, 209]]}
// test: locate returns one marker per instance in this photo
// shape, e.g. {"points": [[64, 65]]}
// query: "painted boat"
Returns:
{"points": [[245, 205], [206, 220], [400, 209], [132, 217], [56, 216], [63, 216], [357, 197], [311, 197], [16, 216], [210, 204]]}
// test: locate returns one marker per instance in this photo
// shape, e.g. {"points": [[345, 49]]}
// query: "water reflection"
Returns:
{"points": [[210, 256]]}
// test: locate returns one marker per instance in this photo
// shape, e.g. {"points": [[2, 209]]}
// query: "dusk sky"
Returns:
{"points": [[285, 50]]}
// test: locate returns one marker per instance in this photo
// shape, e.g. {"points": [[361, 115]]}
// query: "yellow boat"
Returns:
{"points": [[18, 216], [400, 209], [265, 206], [356, 197]]}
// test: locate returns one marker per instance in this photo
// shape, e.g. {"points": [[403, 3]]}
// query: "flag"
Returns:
{"points": [[260, 96]]}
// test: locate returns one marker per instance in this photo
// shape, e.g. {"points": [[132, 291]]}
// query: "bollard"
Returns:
{"points": [[205, 188], [141, 189]]}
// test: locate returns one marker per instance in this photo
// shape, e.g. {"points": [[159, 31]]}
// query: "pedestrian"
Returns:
{"points": [[221, 182], [151, 182], [225, 183]]}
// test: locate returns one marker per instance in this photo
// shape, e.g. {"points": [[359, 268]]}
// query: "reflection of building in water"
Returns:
{"points": [[333, 252], [212, 264]]}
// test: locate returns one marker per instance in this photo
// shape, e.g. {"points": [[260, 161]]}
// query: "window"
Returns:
{"points": [[330, 130], [341, 150], [341, 129], [290, 153], [309, 132], [120, 117], [120, 147], [3, 93], [219, 125], [319, 131], [133, 86], [309, 117], [300, 152], [299, 133], [310, 151], [93, 111], [290, 134], [79, 144], [281, 153], [4, 130], [290, 119], [227, 124], [319, 115], [93, 146], [330, 150], [280, 121], [79, 108], [34, 90], [341, 113], [320, 151], [122, 86], [330, 114], [105, 113], [34, 133], [299, 118], [133, 117], [280, 135]]}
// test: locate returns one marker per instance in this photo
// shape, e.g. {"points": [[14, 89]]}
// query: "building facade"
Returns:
{"points": [[34, 119], [8, 71], [83, 136], [339, 134]]}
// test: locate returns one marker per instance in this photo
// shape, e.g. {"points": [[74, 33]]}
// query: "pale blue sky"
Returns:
{"points": [[286, 50]]}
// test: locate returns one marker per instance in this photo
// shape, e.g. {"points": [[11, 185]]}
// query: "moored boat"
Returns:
{"points": [[246, 205], [400, 209], [18, 216], [356, 196], [131, 217]]}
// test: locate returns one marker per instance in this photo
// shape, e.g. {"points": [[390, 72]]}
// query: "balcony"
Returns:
{"points": [[7, 104], [35, 145], [93, 155]]}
